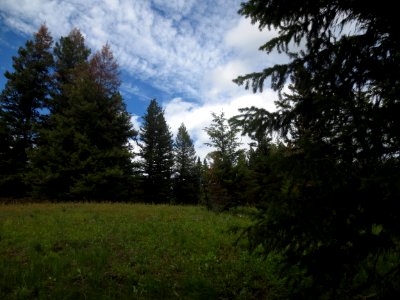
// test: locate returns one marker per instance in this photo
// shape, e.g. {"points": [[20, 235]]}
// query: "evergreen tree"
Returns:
{"points": [[265, 176], [224, 139], [157, 154], [200, 181], [25, 94], [84, 154], [7, 187], [186, 175], [70, 53], [225, 157], [340, 186], [205, 182]]}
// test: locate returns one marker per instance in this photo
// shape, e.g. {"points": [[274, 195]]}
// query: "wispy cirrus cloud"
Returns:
{"points": [[170, 43]]}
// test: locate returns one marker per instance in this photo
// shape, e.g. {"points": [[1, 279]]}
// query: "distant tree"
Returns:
{"points": [[84, 154], [340, 170], [266, 172], [204, 183], [224, 159], [7, 178], [157, 155], [200, 181], [25, 94], [185, 171], [224, 139]]}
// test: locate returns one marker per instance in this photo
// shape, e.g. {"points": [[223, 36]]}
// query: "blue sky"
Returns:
{"points": [[184, 53]]}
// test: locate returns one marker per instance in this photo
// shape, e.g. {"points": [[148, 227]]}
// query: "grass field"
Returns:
{"points": [[125, 251]]}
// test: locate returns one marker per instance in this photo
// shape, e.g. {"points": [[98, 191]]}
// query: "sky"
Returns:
{"points": [[184, 53]]}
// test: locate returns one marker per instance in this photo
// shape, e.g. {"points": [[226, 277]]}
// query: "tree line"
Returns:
{"points": [[66, 135]]}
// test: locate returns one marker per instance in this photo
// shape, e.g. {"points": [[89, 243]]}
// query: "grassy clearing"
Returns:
{"points": [[120, 251]]}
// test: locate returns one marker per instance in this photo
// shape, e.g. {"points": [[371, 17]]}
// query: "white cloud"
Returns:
{"points": [[244, 36], [243, 41], [135, 122], [129, 88], [136, 125], [167, 42]]}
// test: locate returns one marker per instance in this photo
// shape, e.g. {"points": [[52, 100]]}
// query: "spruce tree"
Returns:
{"points": [[25, 94], [186, 175], [70, 53], [224, 159], [157, 155]]}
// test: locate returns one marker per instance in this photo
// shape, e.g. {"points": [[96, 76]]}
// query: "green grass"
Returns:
{"points": [[125, 251]]}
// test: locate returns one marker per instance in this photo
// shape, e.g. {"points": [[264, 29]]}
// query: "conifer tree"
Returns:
{"points": [[206, 182], [26, 92], [70, 53], [157, 155], [224, 159], [186, 175]]}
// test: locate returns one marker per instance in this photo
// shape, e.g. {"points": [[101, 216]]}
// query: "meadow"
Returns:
{"points": [[126, 251]]}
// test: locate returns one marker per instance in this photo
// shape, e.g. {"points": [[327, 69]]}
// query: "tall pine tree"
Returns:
{"points": [[157, 155], [186, 174], [25, 94], [70, 53], [224, 159]]}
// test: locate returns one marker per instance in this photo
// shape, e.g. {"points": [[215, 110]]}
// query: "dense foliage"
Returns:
{"points": [[64, 127], [224, 161], [157, 155], [336, 212], [25, 94], [84, 153], [186, 172]]}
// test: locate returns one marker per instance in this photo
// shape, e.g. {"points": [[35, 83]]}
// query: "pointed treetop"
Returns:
{"points": [[105, 70]]}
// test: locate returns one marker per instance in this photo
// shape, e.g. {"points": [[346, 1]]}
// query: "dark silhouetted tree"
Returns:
{"points": [[26, 92], [222, 170], [70, 53], [157, 155], [186, 174]]}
